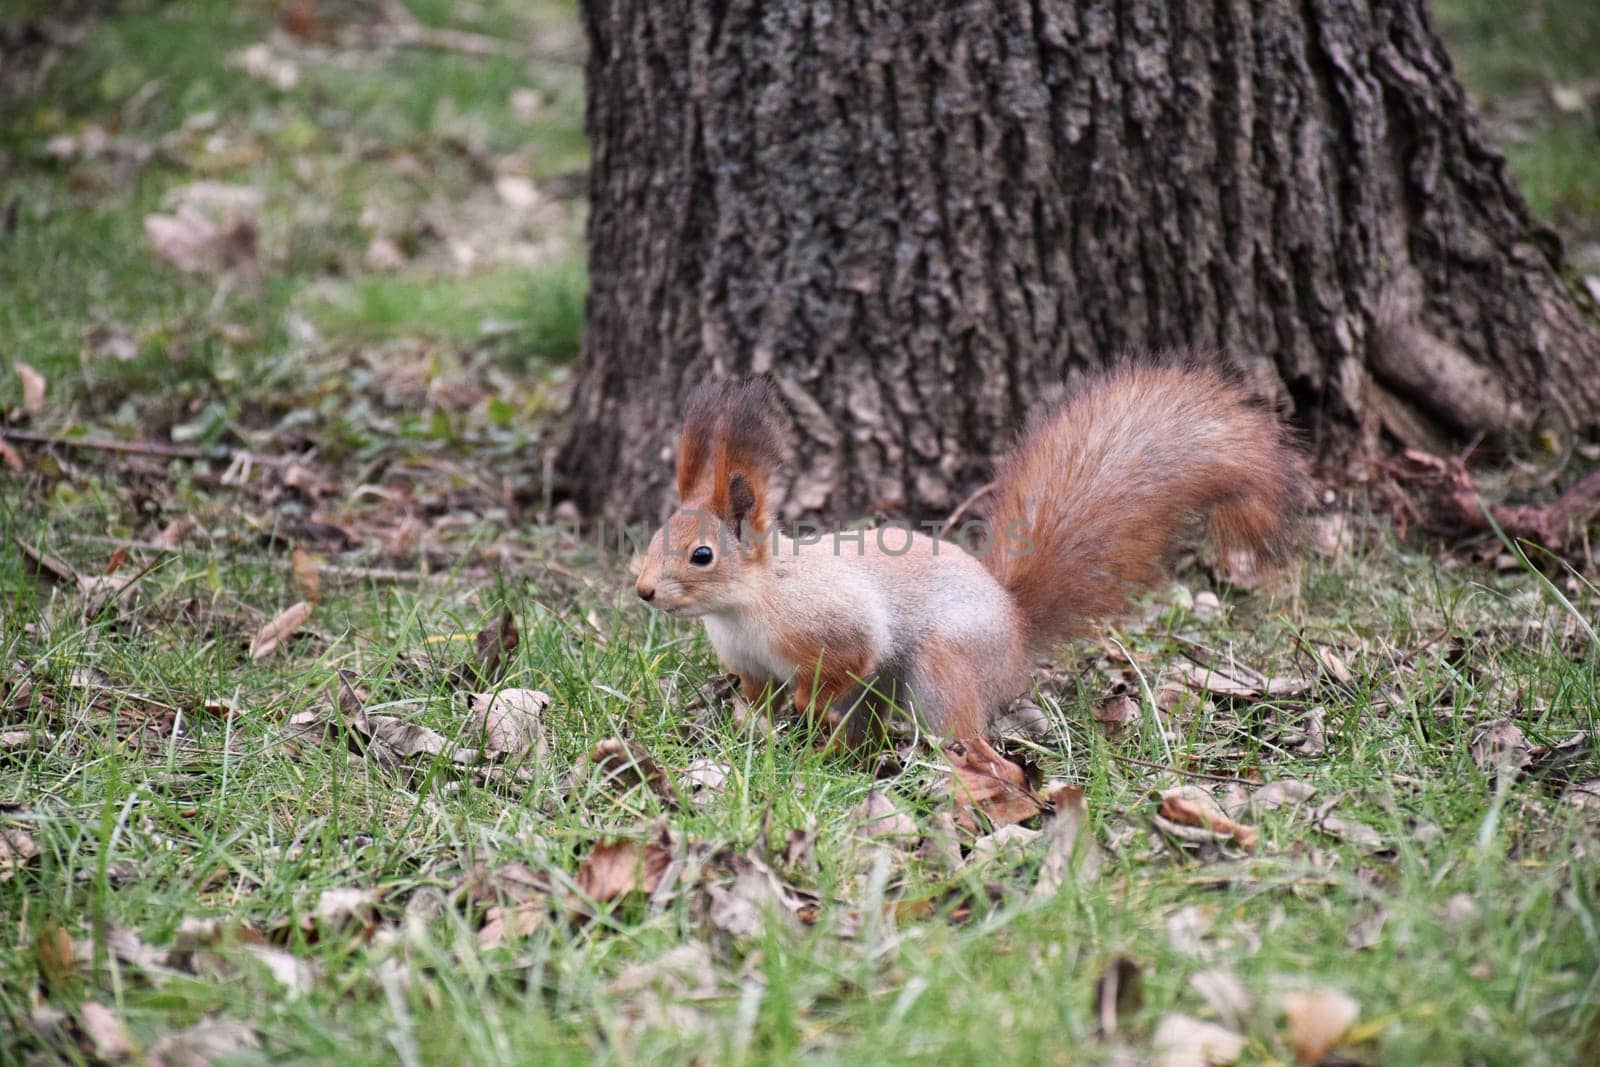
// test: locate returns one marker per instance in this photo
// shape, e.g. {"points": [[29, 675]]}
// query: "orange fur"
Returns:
{"points": [[729, 450], [829, 667], [1108, 486], [1086, 512]]}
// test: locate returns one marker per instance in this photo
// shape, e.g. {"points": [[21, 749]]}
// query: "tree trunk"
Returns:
{"points": [[923, 219]]}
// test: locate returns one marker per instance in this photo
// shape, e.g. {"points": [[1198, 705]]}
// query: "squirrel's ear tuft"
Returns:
{"points": [[696, 444], [741, 499]]}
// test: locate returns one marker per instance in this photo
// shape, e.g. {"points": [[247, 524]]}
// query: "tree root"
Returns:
{"points": [[1560, 526]]}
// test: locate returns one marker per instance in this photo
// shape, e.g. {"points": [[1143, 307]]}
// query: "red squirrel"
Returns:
{"points": [[1085, 513]]}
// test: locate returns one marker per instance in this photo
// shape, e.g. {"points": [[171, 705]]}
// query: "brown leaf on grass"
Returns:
{"points": [[307, 577], [33, 389], [683, 971], [17, 851], [705, 778], [624, 764], [98, 591], [1184, 1041], [279, 629], [1229, 997], [985, 782], [11, 457], [1023, 721], [57, 965], [172, 535], [755, 895], [1317, 1019], [503, 923], [1008, 845], [1070, 846], [495, 644], [1118, 992], [1283, 793], [345, 907], [1352, 832], [1583, 795], [406, 740], [1192, 806], [1557, 763], [260, 61], [108, 1038], [511, 722], [1237, 682], [1500, 745], [1366, 927], [1115, 712], [616, 868], [310, 727], [1188, 926], [208, 239], [207, 1042], [878, 818], [12, 741]]}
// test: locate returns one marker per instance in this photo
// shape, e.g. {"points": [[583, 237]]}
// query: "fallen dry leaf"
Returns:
{"points": [[1192, 806], [194, 244], [345, 906], [1583, 795], [1070, 847], [504, 923], [406, 740], [1238, 682], [307, 577], [1282, 793], [1352, 832], [1115, 712], [1188, 926], [17, 851], [1366, 927], [705, 778], [1227, 995], [511, 722], [203, 1044], [879, 817], [172, 535], [57, 965], [261, 62], [1009, 844], [986, 782], [617, 868], [1317, 1019], [755, 895], [1501, 745], [33, 387], [1023, 721], [1184, 1041], [279, 629], [495, 644], [682, 971], [107, 1036], [624, 764]]}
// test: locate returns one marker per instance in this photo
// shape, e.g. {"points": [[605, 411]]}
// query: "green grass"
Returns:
{"points": [[1518, 54], [224, 823], [416, 397]]}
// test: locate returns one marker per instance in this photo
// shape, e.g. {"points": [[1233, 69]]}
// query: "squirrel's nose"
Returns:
{"points": [[646, 593]]}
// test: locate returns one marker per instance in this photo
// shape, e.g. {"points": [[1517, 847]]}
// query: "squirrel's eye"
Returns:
{"points": [[701, 557]]}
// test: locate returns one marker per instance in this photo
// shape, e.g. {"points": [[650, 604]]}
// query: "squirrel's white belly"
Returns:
{"points": [[746, 648]]}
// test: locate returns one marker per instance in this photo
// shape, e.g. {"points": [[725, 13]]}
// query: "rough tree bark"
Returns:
{"points": [[922, 218]]}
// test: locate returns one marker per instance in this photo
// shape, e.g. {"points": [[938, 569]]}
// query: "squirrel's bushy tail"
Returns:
{"points": [[1091, 506]]}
